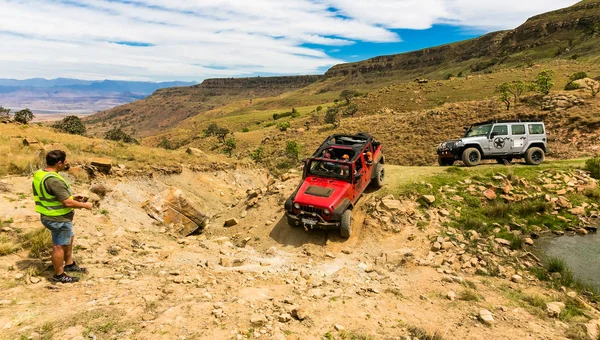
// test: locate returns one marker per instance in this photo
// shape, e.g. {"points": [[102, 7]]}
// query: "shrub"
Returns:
{"points": [[577, 76], [23, 116], [593, 166], [118, 135], [230, 146], [350, 110], [448, 76], [543, 82], [348, 94], [245, 129], [283, 126], [258, 154], [293, 149], [469, 295], [571, 86], [71, 124], [332, 116], [165, 144]]}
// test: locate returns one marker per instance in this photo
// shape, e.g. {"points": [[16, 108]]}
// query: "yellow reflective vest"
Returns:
{"points": [[45, 203]]}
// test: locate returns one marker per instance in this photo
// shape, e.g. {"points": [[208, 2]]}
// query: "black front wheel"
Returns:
{"points": [[471, 157], [346, 224]]}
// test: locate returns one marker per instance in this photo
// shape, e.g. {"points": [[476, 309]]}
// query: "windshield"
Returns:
{"points": [[479, 130], [330, 169]]}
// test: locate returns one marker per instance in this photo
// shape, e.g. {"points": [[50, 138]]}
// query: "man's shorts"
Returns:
{"points": [[61, 232]]}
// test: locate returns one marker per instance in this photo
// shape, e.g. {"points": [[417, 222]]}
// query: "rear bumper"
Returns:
{"points": [[296, 221]]}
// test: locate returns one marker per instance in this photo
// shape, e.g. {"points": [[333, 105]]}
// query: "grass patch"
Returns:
{"points": [[469, 295], [347, 335], [7, 247], [422, 334], [38, 242]]}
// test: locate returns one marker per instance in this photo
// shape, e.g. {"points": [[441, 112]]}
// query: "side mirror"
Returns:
{"points": [[494, 134], [357, 177]]}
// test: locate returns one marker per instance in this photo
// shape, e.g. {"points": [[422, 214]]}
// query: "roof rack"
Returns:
{"points": [[493, 121]]}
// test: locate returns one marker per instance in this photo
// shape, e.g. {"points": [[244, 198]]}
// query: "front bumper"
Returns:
{"points": [[446, 154], [315, 222]]}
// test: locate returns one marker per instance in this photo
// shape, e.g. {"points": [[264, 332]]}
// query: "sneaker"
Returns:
{"points": [[64, 278], [74, 268]]}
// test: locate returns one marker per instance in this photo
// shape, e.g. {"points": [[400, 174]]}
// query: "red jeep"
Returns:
{"points": [[332, 181]]}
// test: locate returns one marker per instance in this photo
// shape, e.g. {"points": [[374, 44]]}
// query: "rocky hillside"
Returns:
{"points": [[571, 34], [167, 107], [567, 33]]}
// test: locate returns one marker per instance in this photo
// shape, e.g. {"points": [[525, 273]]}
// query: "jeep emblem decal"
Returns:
{"points": [[499, 143]]}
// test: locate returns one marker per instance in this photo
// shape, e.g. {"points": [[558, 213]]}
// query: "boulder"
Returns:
{"points": [[554, 309], [172, 208], [195, 152], [391, 204], [577, 211], [429, 199], [230, 222], [102, 164], [486, 317], [490, 194]]}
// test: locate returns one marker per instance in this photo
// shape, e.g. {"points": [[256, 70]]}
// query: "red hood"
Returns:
{"points": [[340, 189]]}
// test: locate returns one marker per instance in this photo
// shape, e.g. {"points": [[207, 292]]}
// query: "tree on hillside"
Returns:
{"points": [[4, 114], [24, 116], [71, 124], [505, 95], [350, 110], [293, 149], [332, 116], [347, 95], [230, 146], [543, 82], [118, 135]]}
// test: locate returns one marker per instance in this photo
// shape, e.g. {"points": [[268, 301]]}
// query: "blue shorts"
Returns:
{"points": [[61, 232]]}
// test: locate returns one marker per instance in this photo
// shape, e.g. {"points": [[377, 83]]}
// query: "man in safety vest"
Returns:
{"points": [[55, 203]]}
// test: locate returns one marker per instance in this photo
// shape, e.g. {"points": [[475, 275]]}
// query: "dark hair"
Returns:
{"points": [[55, 156]]}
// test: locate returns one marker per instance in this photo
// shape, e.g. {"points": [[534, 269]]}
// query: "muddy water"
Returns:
{"points": [[581, 253]]}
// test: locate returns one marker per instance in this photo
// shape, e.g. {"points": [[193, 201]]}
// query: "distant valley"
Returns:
{"points": [[56, 97]]}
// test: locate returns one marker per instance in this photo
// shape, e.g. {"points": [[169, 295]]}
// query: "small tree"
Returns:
{"points": [[594, 87], [4, 114], [350, 110], [505, 95], [293, 149], [221, 133], [258, 154], [543, 82], [165, 144], [230, 146], [319, 108], [332, 116], [211, 129], [72, 125], [283, 126], [24, 116], [347, 95], [118, 135]]}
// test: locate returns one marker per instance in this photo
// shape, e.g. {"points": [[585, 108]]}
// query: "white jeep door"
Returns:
{"points": [[518, 137], [500, 140]]}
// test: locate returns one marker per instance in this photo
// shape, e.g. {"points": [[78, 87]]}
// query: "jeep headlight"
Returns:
{"points": [[326, 212], [460, 144], [296, 206]]}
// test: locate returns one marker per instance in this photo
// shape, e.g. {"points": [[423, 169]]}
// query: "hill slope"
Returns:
{"points": [[567, 34]]}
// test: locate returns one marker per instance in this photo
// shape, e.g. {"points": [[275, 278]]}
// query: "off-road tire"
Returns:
{"points": [[346, 224], [379, 176], [445, 161], [471, 157], [534, 156]]}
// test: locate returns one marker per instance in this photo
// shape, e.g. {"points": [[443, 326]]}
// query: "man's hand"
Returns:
{"points": [[81, 198], [88, 206]]}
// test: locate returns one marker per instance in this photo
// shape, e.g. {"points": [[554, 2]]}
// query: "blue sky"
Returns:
{"points": [[162, 40]]}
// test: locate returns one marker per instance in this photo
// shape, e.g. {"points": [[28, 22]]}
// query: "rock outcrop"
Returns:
{"points": [[172, 208]]}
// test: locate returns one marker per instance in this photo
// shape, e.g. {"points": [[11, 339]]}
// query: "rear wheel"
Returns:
{"points": [[346, 224], [534, 156], [445, 161], [379, 176], [471, 157]]}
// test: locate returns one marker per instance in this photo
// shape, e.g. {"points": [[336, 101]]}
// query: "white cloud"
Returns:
{"points": [[196, 39]]}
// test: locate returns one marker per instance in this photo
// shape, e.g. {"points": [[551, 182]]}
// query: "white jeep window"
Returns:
{"points": [[536, 129], [518, 129], [500, 130]]}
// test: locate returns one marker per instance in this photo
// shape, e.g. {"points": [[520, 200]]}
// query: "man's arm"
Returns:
{"points": [[70, 203]]}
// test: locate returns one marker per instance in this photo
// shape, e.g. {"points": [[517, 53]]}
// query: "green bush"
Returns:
{"points": [[593, 166], [332, 116], [245, 129], [283, 126], [118, 135], [293, 149], [230, 146], [577, 76], [258, 154], [71, 124], [572, 86], [23, 116]]}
